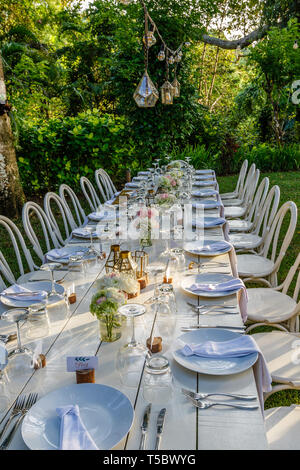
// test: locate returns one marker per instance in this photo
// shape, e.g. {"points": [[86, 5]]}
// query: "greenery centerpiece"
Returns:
{"points": [[104, 306], [124, 283]]}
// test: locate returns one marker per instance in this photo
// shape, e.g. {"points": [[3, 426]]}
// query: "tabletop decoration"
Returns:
{"points": [[104, 306], [142, 260], [113, 257], [165, 200], [127, 265]]}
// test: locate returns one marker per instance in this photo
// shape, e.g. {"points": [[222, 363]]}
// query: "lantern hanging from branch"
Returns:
{"points": [[176, 88], [146, 95], [167, 93]]}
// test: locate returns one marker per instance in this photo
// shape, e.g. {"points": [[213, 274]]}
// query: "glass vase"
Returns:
{"points": [[110, 327]]}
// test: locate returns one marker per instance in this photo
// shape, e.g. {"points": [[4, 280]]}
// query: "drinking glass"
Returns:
{"points": [[38, 325], [157, 380], [51, 267], [131, 356]]}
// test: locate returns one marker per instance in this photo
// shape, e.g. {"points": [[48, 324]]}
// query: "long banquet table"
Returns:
{"points": [[186, 427]]}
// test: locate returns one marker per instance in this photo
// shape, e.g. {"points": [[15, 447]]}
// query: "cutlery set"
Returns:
{"points": [[159, 427], [239, 329], [200, 400], [22, 405], [217, 308]]}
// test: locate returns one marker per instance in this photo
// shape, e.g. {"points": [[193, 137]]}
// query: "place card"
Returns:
{"points": [[75, 363]]}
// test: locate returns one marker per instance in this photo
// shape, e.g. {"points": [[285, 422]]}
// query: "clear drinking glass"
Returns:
{"points": [[52, 267], [38, 325], [157, 381]]}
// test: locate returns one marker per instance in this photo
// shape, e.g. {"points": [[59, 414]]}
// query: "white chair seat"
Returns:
{"points": [[279, 349], [269, 305], [283, 427], [234, 211], [254, 265], [231, 195], [245, 240], [233, 202], [239, 225]]}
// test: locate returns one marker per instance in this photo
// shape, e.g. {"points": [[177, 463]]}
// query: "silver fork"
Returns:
{"points": [[19, 403], [200, 396], [31, 400], [202, 405]]}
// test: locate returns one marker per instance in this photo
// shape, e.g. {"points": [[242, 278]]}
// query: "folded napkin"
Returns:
{"points": [[103, 215], [232, 285], [73, 433], [204, 183], [144, 173], [204, 177], [207, 203], [3, 356], [215, 246], [237, 347], [58, 253], [203, 172], [139, 178], [209, 222], [132, 185], [205, 193], [16, 292], [83, 233]]}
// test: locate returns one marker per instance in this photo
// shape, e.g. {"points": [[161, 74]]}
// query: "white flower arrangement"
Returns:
{"points": [[122, 282]]}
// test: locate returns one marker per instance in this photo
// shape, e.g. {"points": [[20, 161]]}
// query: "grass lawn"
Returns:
{"points": [[289, 184]]}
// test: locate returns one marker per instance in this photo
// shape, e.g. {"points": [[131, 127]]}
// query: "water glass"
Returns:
{"points": [[157, 381]]}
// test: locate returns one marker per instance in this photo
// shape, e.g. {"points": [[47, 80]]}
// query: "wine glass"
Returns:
{"points": [[51, 267], [131, 356], [20, 358]]}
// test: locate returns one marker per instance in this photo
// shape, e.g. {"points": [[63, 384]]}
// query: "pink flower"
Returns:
{"points": [[100, 300], [164, 196], [173, 182], [113, 275]]}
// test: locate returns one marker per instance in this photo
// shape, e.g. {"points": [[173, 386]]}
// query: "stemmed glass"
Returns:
{"points": [[131, 357], [51, 267], [20, 358], [92, 250]]}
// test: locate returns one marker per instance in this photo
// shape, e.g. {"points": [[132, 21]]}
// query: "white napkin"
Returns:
{"points": [[214, 246], [27, 294], [83, 233], [58, 253], [237, 347], [73, 433], [232, 285]]}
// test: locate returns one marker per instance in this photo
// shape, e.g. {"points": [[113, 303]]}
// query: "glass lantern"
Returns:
{"points": [[167, 93], [178, 57], [151, 39], [126, 264], [176, 87], [146, 94], [113, 258], [171, 59], [161, 55], [142, 260]]}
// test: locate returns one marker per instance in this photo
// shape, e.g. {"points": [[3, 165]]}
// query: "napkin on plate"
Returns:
{"points": [[204, 183], [237, 347], [204, 177], [203, 172], [58, 253], [232, 285], [132, 185], [210, 222], [207, 203], [205, 193], [214, 247], [83, 233], [16, 292], [73, 433], [107, 216]]}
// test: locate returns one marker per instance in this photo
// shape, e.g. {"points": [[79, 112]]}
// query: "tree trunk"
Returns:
{"points": [[12, 196]]}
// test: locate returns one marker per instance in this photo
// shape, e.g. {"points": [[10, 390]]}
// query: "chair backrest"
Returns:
{"points": [[254, 209], [32, 209], [250, 189], [243, 189], [66, 193], [263, 221], [64, 213], [289, 278], [104, 185], [270, 246], [22, 254], [90, 194], [241, 178]]}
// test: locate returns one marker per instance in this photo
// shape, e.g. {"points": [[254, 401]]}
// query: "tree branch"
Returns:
{"points": [[242, 42]]}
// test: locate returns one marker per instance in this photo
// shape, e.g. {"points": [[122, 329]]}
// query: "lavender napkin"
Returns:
{"points": [[205, 193], [73, 433], [204, 177], [207, 203], [203, 172], [16, 292], [234, 284], [58, 253], [215, 246], [82, 233], [103, 215], [132, 185], [204, 183], [237, 347], [210, 222]]}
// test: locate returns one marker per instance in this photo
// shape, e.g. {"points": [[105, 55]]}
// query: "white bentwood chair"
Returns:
{"points": [[90, 194], [239, 207], [23, 256], [240, 183], [260, 267], [31, 211], [65, 215], [105, 185], [254, 240], [248, 223], [70, 199]]}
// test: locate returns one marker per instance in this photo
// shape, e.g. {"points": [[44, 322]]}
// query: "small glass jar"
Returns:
{"points": [[38, 325], [158, 381]]}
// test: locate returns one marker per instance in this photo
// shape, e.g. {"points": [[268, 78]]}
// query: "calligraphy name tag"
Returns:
{"points": [[81, 363]]}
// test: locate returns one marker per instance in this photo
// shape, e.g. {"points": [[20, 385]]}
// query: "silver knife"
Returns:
{"points": [[225, 327], [144, 426], [160, 427]]}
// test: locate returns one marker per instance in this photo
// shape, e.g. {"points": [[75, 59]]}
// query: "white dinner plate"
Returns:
{"points": [[106, 413], [71, 250], [204, 365], [208, 278], [195, 248], [33, 286]]}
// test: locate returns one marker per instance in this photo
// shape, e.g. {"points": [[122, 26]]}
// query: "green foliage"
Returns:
{"points": [[270, 158]]}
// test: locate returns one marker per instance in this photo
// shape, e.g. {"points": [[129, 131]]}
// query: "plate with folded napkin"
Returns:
{"points": [[107, 216], [215, 351], [207, 247], [206, 204], [205, 192], [137, 184], [211, 284], [205, 183], [62, 255], [204, 172], [204, 177], [84, 233], [209, 222], [28, 293], [78, 417]]}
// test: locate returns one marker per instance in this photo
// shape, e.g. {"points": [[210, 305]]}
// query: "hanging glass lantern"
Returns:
{"points": [[113, 258], [126, 264], [150, 37], [142, 260], [146, 94], [176, 88], [167, 93], [178, 57], [171, 60], [161, 55], [187, 44]]}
